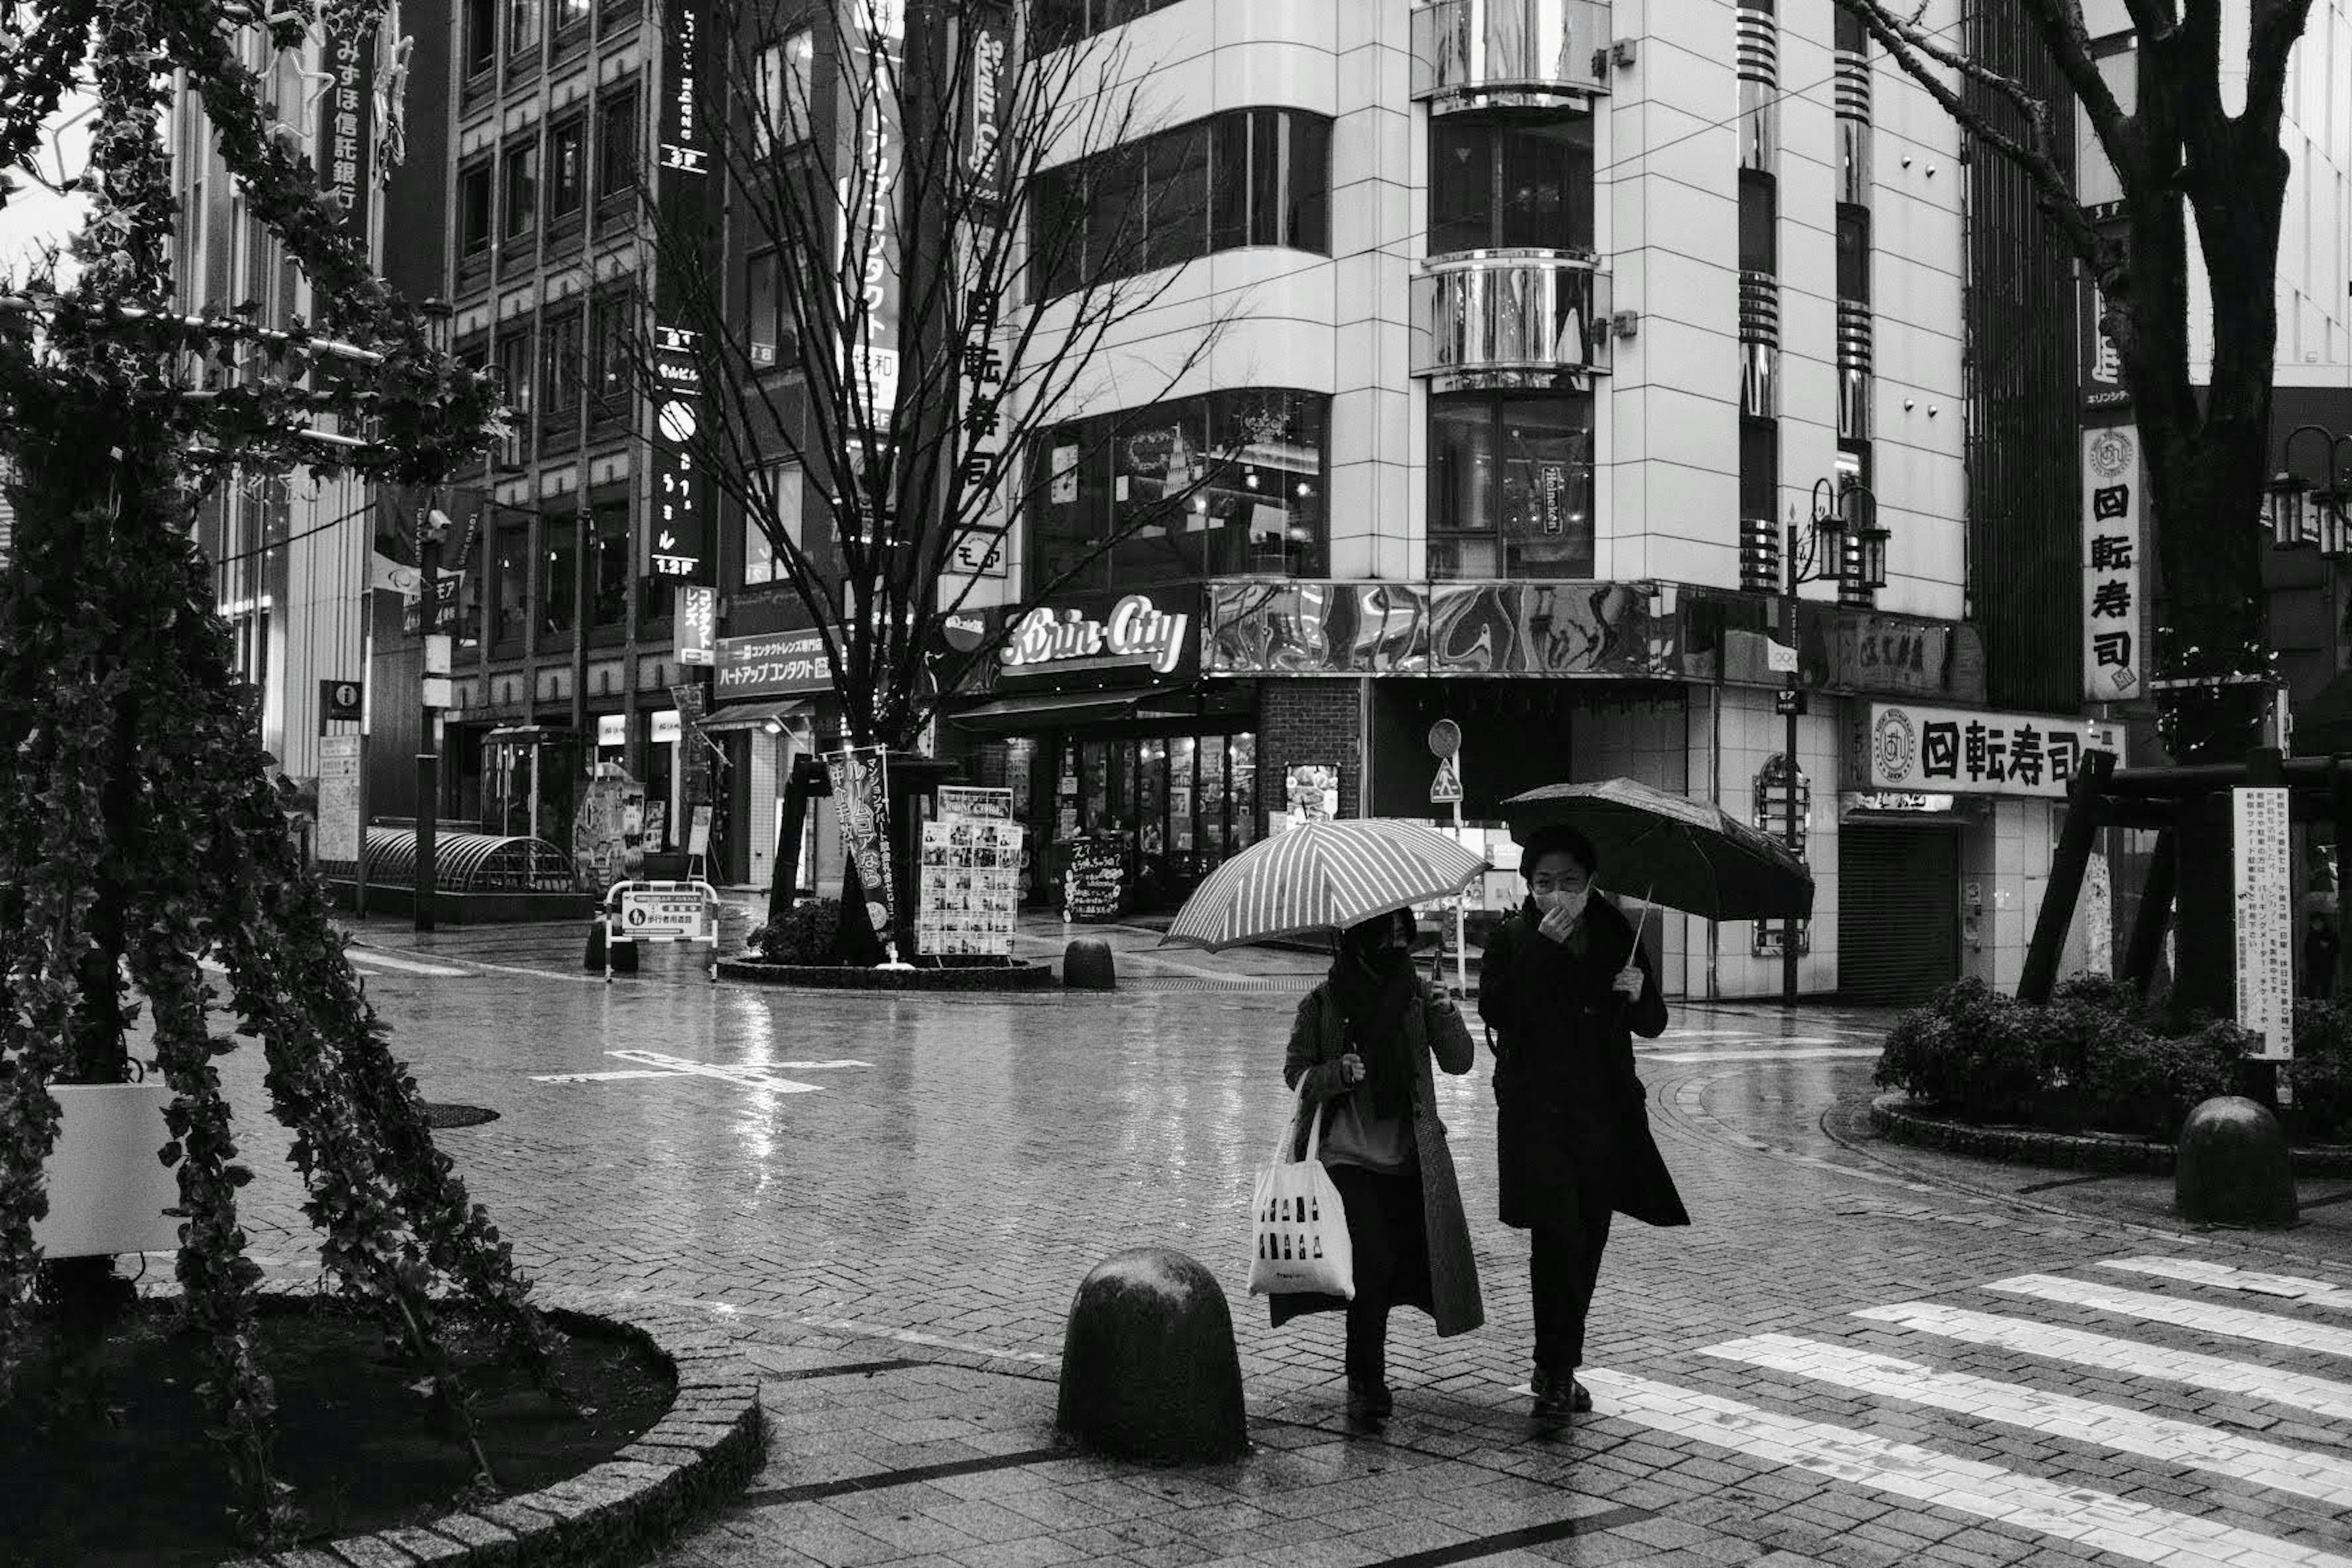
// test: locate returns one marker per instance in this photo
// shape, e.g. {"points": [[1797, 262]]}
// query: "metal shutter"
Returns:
{"points": [[1898, 911]]}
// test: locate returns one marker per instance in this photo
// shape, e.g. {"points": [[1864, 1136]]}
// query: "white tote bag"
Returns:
{"points": [[1301, 1227]]}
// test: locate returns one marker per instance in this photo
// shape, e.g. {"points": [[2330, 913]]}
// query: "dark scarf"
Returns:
{"points": [[1373, 1003]]}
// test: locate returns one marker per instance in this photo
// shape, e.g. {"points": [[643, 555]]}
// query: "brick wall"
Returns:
{"points": [[1310, 720]]}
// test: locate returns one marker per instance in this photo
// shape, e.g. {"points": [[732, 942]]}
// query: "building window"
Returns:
{"points": [[1230, 483], [779, 109], [509, 591], [522, 178], [1853, 254], [1511, 485], [1510, 184], [559, 368], [762, 562], [616, 145], [567, 168], [772, 336], [1760, 239], [571, 14], [481, 35], [1759, 470], [1249, 177], [473, 209], [517, 384], [1061, 22], [608, 585], [1847, 33], [559, 576], [522, 34], [610, 322]]}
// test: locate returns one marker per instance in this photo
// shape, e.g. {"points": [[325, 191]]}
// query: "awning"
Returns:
{"points": [[1048, 710], [790, 712], [526, 736]]}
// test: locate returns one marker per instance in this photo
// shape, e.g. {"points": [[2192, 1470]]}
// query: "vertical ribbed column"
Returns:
{"points": [[1758, 53], [1851, 96]]}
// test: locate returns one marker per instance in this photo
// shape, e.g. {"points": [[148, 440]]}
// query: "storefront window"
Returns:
{"points": [[608, 590], [1511, 485], [1224, 485], [509, 601], [1178, 804], [557, 583]]}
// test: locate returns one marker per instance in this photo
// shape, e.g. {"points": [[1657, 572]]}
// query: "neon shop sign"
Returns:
{"points": [[1137, 632]]}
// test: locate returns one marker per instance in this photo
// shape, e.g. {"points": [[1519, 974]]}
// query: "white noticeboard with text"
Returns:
{"points": [[2265, 920], [338, 798]]}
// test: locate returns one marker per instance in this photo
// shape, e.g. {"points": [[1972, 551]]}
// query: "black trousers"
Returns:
{"points": [[1563, 1266], [1390, 1236]]}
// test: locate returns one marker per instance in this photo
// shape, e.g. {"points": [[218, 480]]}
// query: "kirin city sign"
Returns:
{"points": [[1136, 632]]}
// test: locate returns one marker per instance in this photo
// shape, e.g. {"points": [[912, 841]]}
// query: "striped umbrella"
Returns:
{"points": [[1321, 876]]}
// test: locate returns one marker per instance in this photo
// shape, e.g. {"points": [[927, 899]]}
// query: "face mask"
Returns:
{"points": [[1572, 903]]}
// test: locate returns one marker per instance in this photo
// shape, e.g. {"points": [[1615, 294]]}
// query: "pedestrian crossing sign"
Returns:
{"points": [[1446, 787]]}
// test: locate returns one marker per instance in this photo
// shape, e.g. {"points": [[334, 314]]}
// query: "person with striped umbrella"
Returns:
{"points": [[1359, 1060]]}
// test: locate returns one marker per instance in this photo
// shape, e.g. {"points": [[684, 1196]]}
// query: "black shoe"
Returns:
{"points": [[1369, 1400], [1556, 1396], [1580, 1398]]}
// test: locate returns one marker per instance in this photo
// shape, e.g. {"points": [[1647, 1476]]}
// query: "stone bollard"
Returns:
{"points": [[1148, 1369], [2233, 1166], [1086, 965]]}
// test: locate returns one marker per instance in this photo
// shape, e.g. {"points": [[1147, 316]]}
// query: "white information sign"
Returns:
{"points": [[969, 803], [661, 912], [338, 798], [2265, 921], [2111, 574]]}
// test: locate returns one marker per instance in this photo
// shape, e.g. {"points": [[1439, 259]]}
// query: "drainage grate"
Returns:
{"points": [[441, 1115]]}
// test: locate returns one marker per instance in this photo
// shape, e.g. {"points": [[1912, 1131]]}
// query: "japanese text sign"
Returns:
{"points": [[2266, 923], [696, 624], [340, 153], [782, 663], [1955, 751], [2111, 563]]}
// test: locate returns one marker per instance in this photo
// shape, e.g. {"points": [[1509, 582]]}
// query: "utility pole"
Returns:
{"points": [[428, 740], [1792, 696]]}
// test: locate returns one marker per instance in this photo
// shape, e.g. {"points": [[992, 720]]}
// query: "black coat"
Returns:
{"points": [[1570, 1113]]}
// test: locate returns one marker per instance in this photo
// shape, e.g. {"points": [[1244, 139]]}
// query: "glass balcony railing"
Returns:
{"points": [[1484, 54], [1509, 318]]}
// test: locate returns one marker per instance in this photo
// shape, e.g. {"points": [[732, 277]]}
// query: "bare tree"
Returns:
{"points": [[2178, 155], [2181, 159], [952, 297]]}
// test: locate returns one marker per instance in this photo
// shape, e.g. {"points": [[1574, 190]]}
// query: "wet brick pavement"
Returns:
{"points": [[890, 1202]]}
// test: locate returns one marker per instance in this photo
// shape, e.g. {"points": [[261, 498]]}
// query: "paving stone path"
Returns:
{"points": [[889, 1203]]}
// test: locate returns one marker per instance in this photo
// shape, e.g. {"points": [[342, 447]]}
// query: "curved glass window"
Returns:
{"points": [[1510, 183], [1249, 176], [1511, 481], [1227, 484]]}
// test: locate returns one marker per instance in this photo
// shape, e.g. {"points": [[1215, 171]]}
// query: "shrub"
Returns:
{"points": [[806, 933], [2096, 1055], [2322, 1072]]}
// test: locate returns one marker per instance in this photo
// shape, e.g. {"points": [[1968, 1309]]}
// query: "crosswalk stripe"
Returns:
{"points": [[2223, 1277], [2265, 1328], [2097, 1518], [2114, 1426], [1763, 1054], [2319, 1395]]}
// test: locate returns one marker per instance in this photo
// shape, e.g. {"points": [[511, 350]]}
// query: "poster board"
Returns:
{"points": [[338, 798], [1094, 880], [964, 803], [968, 887]]}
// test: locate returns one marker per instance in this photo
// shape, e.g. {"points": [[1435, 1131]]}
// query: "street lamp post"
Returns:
{"points": [[1843, 543]]}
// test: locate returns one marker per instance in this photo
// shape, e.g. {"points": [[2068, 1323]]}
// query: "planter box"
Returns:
{"points": [[108, 1190]]}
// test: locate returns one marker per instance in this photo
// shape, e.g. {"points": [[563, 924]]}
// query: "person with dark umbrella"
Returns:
{"points": [[1564, 985]]}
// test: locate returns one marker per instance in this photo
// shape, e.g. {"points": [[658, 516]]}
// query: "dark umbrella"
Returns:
{"points": [[1684, 854]]}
